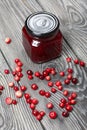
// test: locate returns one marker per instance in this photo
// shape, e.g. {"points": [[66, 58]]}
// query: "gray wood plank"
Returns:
{"points": [[13, 14]]}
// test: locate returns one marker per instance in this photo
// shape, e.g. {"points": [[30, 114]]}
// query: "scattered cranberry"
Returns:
{"points": [[32, 106], [37, 74], [8, 100], [18, 94], [72, 102], [34, 86], [20, 64], [53, 90], [17, 78], [69, 76], [18, 69], [11, 84], [35, 112], [29, 72], [23, 88], [48, 78], [47, 94], [27, 95], [74, 80], [48, 70], [62, 105], [30, 77], [14, 102], [42, 113], [82, 63], [35, 101], [1, 88], [74, 95], [53, 72], [7, 40], [42, 92], [19, 74], [65, 113], [52, 114], [67, 81], [38, 117], [41, 77], [65, 92], [62, 73], [76, 61], [69, 108], [70, 70], [63, 100], [70, 98], [50, 84], [6, 71], [16, 88], [45, 73], [68, 59], [49, 105], [58, 83], [17, 60], [29, 100], [14, 73], [60, 87]]}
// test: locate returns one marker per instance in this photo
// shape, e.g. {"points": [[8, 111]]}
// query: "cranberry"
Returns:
{"points": [[41, 77], [7, 40], [20, 64], [34, 86], [27, 95], [1, 88], [18, 69], [32, 106], [35, 112], [70, 70], [29, 72], [45, 73], [16, 88], [72, 102], [82, 63], [68, 59], [30, 77], [52, 114], [63, 100], [50, 84], [65, 113], [11, 84], [14, 73], [42, 92], [69, 108], [47, 94], [48, 78], [0, 92], [70, 97], [14, 102], [60, 87], [35, 101], [29, 100], [6, 71], [69, 76], [17, 78], [74, 95], [17, 60], [18, 94], [49, 105], [58, 83], [62, 105], [67, 81], [76, 61], [38, 117], [8, 100], [48, 70], [42, 113], [65, 92], [19, 74], [53, 90], [74, 80], [53, 72], [62, 73], [37, 74], [23, 88]]}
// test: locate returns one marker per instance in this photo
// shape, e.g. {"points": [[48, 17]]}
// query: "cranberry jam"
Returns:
{"points": [[42, 38]]}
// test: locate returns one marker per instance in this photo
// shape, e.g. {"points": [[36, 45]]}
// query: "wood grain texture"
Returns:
{"points": [[73, 26]]}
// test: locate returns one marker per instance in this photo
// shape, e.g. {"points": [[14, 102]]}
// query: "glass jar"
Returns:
{"points": [[42, 38]]}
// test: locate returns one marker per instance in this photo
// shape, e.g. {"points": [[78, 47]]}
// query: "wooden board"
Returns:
{"points": [[73, 27]]}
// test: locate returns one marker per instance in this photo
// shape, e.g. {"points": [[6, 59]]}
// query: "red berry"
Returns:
{"points": [[29, 100], [37, 74], [58, 83], [8, 100], [67, 81], [18, 94], [42, 113], [17, 60], [69, 108], [82, 63], [42, 92], [53, 90], [74, 80], [1, 88], [52, 114], [35, 101], [6, 71], [35, 112], [63, 100], [20, 64], [23, 88], [69, 76], [14, 102], [47, 94], [62, 73], [74, 95], [30, 77], [45, 73], [14, 73], [76, 61], [18, 69], [19, 74], [7, 40], [27, 95], [34, 86], [11, 84], [16, 88], [62, 105], [53, 72], [48, 70], [38, 117], [70, 97], [65, 113], [48, 78], [72, 102], [68, 59], [41, 77], [32, 106], [70, 70], [60, 87], [65, 92], [17, 78], [29, 72], [50, 84], [49, 105]]}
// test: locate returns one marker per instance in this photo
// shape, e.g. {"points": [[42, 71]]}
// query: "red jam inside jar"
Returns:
{"points": [[42, 38]]}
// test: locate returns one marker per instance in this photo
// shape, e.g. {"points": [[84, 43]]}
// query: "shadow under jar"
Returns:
{"points": [[42, 38]]}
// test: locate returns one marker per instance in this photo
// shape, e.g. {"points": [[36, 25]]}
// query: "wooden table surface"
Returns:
{"points": [[73, 25]]}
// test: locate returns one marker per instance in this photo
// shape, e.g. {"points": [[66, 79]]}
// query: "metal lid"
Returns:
{"points": [[42, 24]]}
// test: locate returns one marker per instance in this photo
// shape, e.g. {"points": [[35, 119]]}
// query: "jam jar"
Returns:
{"points": [[42, 38]]}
